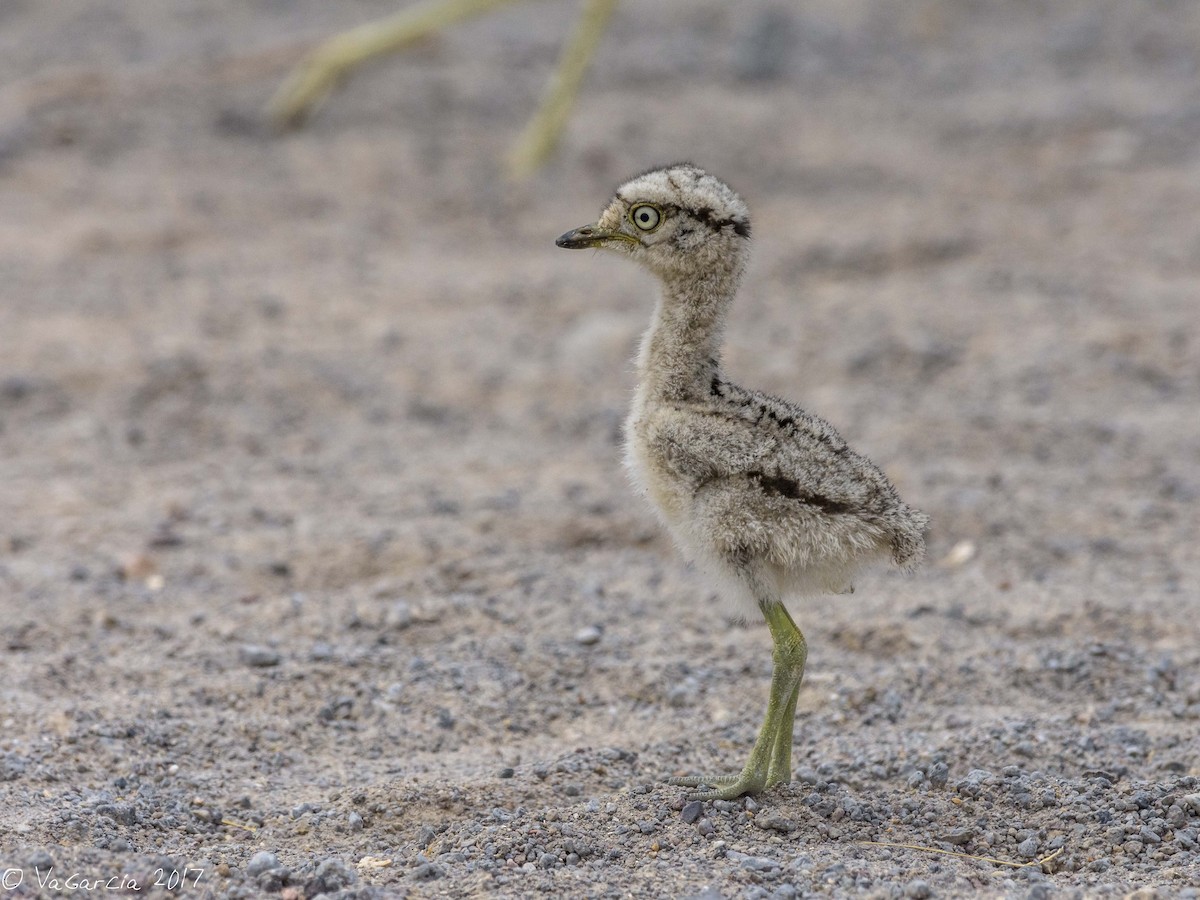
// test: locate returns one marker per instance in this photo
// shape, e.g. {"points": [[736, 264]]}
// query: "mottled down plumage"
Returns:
{"points": [[774, 483], [764, 495]]}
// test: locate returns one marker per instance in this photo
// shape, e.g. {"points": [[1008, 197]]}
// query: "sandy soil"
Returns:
{"points": [[318, 571]]}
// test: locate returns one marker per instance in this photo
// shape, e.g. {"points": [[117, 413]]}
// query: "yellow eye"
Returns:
{"points": [[645, 217]]}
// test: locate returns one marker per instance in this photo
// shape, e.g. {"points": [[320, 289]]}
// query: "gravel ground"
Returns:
{"points": [[318, 572]]}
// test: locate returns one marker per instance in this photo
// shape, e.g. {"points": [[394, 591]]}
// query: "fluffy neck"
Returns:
{"points": [[681, 352]]}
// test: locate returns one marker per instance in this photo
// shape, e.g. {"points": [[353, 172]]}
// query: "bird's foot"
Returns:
{"points": [[770, 761], [724, 787]]}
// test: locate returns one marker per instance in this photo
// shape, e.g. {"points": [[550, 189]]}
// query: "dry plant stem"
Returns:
{"points": [[311, 81], [1049, 857], [541, 135]]}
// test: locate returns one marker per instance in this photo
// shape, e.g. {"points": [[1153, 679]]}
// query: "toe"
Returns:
{"points": [[698, 780], [722, 787]]}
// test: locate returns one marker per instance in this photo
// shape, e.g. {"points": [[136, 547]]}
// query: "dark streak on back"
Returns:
{"points": [[785, 487]]}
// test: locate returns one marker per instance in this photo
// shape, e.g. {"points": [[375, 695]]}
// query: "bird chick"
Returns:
{"points": [[766, 497]]}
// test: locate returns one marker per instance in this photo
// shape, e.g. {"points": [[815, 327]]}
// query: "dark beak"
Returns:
{"points": [[590, 236]]}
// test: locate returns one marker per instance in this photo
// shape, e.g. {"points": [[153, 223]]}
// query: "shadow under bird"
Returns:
{"points": [[764, 496]]}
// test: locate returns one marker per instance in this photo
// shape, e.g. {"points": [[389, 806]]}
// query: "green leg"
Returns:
{"points": [[771, 759]]}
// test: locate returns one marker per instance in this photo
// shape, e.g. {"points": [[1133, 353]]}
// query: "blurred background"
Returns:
{"points": [[963, 212], [281, 403]]}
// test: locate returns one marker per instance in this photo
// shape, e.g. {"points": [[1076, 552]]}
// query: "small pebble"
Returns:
{"points": [[588, 636], [321, 652], [400, 616], [136, 567], [428, 872], [260, 862], [258, 657], [753, 863], [958, 836], [271, 881], [918, 890], [332, 875], [691, 811], [679, 696], [773, 820]]}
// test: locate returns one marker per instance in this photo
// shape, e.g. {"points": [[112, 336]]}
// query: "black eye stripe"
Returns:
{"points": [[710, 218]]}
